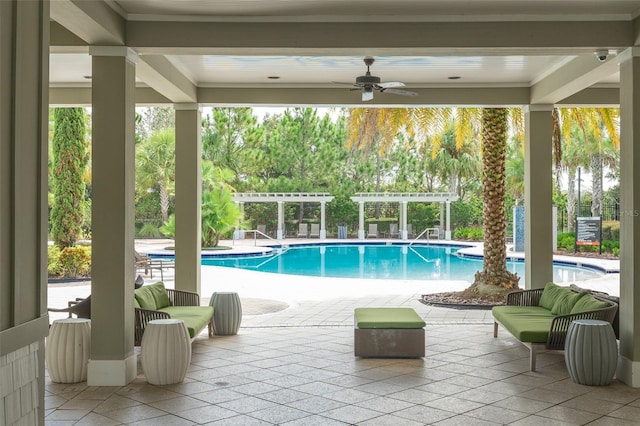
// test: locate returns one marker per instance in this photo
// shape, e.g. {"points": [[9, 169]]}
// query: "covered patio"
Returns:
{"points": [[114, 55]]}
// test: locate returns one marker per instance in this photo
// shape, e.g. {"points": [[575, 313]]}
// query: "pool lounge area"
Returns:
{"points": [[296, 366]]}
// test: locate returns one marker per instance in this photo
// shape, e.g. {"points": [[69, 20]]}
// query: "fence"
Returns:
{"points": [[610, 212]]}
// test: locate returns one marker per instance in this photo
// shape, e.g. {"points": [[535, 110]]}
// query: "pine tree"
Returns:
{"points": [[69, 162]]}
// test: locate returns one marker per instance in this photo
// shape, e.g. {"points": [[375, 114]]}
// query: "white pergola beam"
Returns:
{"points": [[580, 73]]}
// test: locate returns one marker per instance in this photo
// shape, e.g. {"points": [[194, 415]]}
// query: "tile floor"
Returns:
{"points": [[296, 367]]}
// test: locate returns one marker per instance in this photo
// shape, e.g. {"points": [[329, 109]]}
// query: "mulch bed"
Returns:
{"points": [[452, 300]]}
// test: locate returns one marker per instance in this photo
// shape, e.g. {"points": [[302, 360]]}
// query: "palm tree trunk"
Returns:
{"points": [[596, 184], [164, 202], [494, 152]]}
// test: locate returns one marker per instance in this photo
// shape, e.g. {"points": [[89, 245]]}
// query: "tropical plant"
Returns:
{"points": [[70, 159], [156, 167]]}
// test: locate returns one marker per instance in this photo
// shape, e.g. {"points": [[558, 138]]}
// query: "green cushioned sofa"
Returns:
{"points": [[541, 317], [154, 301]]}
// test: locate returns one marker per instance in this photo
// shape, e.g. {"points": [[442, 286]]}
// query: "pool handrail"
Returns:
{"points": [[426, 231], [255, 236]]}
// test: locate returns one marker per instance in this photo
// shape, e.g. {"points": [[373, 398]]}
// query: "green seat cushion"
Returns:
{"points": [[525, 323], [565, 302], [195, 317], [387, 318], [550, 295], [588, 303]]}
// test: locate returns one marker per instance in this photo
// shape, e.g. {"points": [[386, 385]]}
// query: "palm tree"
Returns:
{"points": [[369, 126], [156, 166], [593, 125]]}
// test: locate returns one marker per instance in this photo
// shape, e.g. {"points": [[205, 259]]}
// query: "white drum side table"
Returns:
{"points": [[67, 350], [227, 313], [165, 351]]}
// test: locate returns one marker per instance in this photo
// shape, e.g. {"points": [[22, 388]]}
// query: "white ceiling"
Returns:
{"points": [[208, 54]]}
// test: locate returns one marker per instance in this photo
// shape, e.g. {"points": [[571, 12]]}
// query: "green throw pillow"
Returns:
{"points": [[159, 294], [565, 302], [550, 295], [144, 297], [588, 303]]}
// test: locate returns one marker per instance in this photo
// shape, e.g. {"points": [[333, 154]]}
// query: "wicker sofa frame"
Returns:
{"points": [[176, 298], [559, 324]]}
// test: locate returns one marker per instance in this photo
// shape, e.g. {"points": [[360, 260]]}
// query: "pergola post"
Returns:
{"points": [[403, 220], [361, 220], [447, 231], [280, 233], [323, 230], [442, 215]]}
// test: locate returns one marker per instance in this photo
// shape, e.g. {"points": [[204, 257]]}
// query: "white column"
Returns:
{"points": [[447, 231], [538, 196], [323, 230], [403, 219], [442, 215], [629, 360], [113, 360], [361, 220], [188, 197], [281, 230]]}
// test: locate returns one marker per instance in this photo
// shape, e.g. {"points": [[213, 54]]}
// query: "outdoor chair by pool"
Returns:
{"points": [[148, 264], [303, 230], [81, 307], [373, 230], [262, 231], [410, 233], [393, 230], [315, 230]]}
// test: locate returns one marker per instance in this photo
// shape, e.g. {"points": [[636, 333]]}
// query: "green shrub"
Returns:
{"points": [[54, 269], [75, 261], [474, 234], [149, 230], [566, 241]]}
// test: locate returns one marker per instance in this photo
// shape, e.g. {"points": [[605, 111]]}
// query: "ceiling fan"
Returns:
{"points": [[368, 83]]}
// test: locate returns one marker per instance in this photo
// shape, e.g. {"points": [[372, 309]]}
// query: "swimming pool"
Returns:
{"points": [[377, 261]]}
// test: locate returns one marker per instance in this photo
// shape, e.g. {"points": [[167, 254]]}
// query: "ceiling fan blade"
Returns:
{"points": [[400, 92], [367, 95], [389, 84]]}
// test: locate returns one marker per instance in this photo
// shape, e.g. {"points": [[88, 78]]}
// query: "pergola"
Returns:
{"points": [[281, 198], [444, 198]]}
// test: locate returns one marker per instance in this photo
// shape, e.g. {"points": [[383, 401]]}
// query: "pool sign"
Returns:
{"points": [[588, 232]]}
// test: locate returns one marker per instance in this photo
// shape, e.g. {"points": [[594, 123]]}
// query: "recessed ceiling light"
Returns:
{"points": [[273, 77], [454, 77]]}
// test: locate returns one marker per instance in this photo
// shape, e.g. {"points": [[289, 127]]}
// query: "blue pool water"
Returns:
{"points": [[398, 262]]}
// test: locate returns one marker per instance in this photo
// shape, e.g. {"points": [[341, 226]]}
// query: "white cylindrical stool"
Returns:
{"points": [[67, 350], [165, 351], [591, 352], [227, 313]]}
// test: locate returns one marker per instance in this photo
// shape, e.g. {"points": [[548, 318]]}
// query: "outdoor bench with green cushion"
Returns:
{"points": [[157, 302], [541, 317], [388, 333]]}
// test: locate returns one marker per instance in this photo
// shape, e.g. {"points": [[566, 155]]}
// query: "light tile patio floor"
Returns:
{"points": [[296, 367]]}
